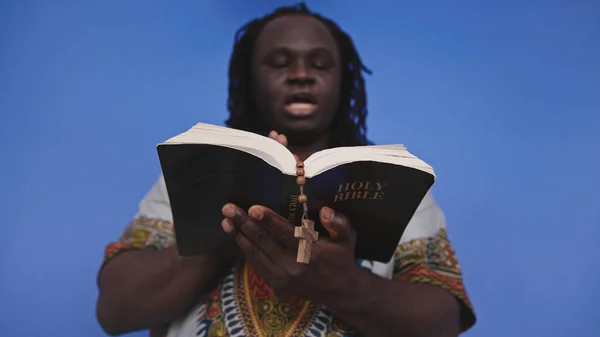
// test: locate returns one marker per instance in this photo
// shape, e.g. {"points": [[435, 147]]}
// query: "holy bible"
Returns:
{"points": [[378, 188]]}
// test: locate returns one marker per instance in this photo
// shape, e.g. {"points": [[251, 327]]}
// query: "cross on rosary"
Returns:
{"points": [[306, 232], [307, 235]]}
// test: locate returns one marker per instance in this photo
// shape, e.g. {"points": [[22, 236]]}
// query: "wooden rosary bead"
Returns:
{"points": [[300, 180], [300, 171], [300, 164], [302, 198]]}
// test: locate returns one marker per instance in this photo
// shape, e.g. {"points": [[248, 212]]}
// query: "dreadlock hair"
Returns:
{"points": [[349, 123]]}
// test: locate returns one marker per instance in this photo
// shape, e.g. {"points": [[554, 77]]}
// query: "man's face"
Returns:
{"points": [[297, 74]]}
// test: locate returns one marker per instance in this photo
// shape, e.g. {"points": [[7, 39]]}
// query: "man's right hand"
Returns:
{"points": [[148, 289]]}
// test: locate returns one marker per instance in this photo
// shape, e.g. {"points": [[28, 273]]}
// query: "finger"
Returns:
{"points": [[252, 230], [252, 252], [279, 228], [337, 225], [227, 225], [282, 139], [273, 134]]}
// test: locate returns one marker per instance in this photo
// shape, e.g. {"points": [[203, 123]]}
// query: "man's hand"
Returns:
{"points": [[282, 139], [268, 242], [372, 305]]}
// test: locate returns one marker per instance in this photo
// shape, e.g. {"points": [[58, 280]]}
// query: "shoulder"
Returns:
{"points": [[155, 203]]}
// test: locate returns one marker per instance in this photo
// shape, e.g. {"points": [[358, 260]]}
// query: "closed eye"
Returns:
{"points": [[279, 59], [321, 66], [280, 63], [322, 60]]}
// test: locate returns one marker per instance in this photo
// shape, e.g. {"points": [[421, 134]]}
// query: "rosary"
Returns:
{"points": [[306, 231]]}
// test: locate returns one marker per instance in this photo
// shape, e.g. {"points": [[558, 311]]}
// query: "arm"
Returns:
{"points": [[379, 307], [143, 284], [426, 296], [145, 289]]}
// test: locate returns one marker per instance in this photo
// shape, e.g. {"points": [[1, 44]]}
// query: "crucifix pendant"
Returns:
{"points": [[307, 235]]}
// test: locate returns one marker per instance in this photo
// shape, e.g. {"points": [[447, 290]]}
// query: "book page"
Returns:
{"points": [[259, 146], [392, 154]]}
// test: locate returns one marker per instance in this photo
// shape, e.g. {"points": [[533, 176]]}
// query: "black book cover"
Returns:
{"points": [[379, 199]]}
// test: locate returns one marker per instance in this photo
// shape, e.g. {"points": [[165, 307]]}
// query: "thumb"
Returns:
{"points": [[337, 225]]}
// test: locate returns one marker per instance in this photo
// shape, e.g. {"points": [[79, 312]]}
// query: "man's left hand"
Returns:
{"points": [[268, 242]]}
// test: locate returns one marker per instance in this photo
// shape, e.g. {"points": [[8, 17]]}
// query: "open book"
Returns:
{"points": [[377, 187]]}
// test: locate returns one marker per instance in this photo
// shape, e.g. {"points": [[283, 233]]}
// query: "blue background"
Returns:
{"points": [[501, 97]]}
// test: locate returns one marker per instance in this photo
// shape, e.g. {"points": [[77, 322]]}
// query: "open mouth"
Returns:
{"points": [[301, 104]]}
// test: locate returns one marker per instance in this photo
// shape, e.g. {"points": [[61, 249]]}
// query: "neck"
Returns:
{"points": [[304, 150]]}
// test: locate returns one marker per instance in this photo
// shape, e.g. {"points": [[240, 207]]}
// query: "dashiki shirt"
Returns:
{"points": [[244, 305]]}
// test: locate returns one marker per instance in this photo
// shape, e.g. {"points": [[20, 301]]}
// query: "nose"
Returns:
{"points": [[300, 74]]}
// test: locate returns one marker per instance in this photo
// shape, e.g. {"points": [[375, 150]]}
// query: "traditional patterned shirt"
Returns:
{"points": [[243, 304]]}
